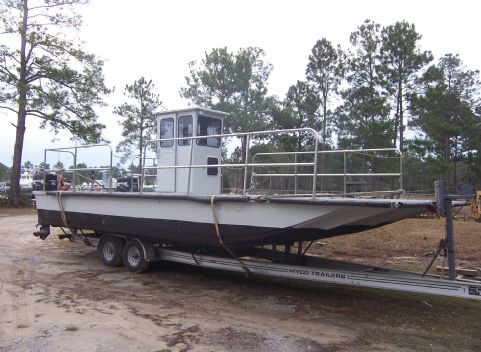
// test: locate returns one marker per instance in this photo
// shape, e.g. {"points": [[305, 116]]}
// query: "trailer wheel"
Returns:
{"points": [[110, 250], [134, 257]]}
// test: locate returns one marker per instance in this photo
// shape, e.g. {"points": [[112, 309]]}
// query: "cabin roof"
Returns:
{"points": [[192, 108]]}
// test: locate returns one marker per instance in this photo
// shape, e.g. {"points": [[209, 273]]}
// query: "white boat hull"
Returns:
{"points": [[243, 221]]}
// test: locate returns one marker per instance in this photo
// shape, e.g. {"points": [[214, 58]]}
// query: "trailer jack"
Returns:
{"points": [[43, 232]]}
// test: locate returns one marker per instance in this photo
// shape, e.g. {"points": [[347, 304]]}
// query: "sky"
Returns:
{"points": [[158, 38]]}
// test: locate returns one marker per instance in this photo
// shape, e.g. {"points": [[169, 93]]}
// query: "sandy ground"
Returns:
{"points": [[57, 296]]}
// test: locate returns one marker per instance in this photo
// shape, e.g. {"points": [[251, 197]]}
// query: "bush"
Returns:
{"points": [[25, 199]]}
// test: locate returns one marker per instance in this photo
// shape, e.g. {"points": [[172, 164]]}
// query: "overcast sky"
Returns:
{"points": [[157, 40]]}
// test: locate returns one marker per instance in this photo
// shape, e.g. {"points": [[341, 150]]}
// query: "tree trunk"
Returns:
{"points": [[446, 157], [243, 149], [455, 164], [14, 196], [396, 119]]}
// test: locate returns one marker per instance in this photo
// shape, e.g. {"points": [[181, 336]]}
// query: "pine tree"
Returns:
{"points": [[49, 77], [401, 61], [139, 122]]}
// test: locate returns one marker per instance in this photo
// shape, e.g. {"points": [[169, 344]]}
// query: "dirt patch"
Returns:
{"points": [[57, 296]]}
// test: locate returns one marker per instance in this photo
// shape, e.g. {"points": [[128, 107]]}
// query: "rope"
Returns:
{"points": [[217, 232], [62, 210]]}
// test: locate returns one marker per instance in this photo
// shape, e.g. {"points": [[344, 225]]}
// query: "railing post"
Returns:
{"points": [[44, 172], [450, 239], [110, 171], [444, 207], [74, 176], [190, 165], [246, 162], [345, 176], [314, 174], [295, 173], [401, 170], [142, 171]]}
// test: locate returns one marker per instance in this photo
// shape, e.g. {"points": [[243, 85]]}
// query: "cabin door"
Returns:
{"points": [[166, 154]]}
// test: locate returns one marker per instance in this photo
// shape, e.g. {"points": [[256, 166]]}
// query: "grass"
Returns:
{"points": [[407, 244], [71, 328]]}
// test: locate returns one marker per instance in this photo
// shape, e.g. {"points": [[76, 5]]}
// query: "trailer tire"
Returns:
{"points": [[134, 257], [110, 250]]}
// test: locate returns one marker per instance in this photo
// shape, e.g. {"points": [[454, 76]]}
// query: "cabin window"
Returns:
{"points": [[184, 129], [207, 126], [166, 132], [212, 171]]}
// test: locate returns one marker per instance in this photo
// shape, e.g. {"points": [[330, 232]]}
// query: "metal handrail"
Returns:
{"points": [[75, 169], [345, 174], [246, 164], [252, 164]]}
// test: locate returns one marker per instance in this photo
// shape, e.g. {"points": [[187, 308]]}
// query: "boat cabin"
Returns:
{"points": [[183, 141]]}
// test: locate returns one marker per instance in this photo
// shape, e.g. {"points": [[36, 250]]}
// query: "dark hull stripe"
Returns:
{"points": [[190, 233]]}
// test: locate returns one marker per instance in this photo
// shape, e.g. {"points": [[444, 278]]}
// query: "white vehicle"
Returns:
{"points": [[26, 180]]}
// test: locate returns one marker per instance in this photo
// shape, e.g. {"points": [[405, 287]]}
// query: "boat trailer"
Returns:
{"points": [[261, 261]]}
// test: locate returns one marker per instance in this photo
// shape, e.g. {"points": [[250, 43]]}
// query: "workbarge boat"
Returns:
{"points": [[188, 207]]}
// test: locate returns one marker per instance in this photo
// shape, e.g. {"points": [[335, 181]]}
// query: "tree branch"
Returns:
{"points": [[63, 3], [51, 118], [8, 108]]}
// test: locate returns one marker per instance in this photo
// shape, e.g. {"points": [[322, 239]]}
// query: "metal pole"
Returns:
{"points": [[314, 174], [450, 239], [142, 171], [44, 168], [74, 176], [246, 161], [401, 170], [295, 172], [190, 164], [110, 171], [345, 177], [444, 207]]}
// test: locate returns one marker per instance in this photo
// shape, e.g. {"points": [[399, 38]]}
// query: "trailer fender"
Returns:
{"points": [[148, 249]]}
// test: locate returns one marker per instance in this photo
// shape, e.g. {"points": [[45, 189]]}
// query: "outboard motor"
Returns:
{"points": [[128, 184], [40, 177]]}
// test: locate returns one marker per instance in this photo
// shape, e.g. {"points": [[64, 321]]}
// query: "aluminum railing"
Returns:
{"points": [[74, 154], [345, 174], [246, 165]]}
